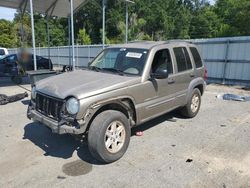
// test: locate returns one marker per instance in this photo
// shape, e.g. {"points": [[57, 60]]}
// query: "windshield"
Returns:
{"points": [[121, 60]]}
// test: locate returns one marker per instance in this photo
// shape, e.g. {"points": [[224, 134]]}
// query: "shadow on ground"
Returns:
{"points": [[25, 102], [63, 146]]}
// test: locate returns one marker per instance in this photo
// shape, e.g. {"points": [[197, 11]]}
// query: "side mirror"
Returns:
{"points": [[160, 74]]}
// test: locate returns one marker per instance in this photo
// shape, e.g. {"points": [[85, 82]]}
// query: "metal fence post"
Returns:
{"points": [[77, 55], [88, 54], [58, 55], [225, 62]]}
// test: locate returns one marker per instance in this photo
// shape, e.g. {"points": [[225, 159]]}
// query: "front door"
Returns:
{"points": [[159, 93]]}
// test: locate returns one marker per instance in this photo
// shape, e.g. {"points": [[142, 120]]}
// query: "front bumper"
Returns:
{"points": [[55, 126]]}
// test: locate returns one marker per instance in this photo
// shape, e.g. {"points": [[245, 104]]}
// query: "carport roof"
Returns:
{"points": [[59, 8]]}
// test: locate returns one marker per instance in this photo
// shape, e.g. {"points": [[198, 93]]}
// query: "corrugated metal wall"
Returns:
{"points": [[227, 59]]}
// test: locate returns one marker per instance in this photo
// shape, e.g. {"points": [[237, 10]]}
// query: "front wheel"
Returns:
{"points": [[193, 106], [109, 136]]}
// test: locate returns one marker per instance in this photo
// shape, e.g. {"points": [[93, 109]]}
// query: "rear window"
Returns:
{"points": [[2, 52], [196, 56], [182, 59]]}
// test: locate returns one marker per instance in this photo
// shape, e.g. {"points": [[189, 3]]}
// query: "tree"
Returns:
{"points": [[137, 28], [148, 20], [83, 37], [204, 24], [8, 36], [235, 16]]}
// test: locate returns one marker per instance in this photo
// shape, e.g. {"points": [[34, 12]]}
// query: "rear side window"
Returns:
{"points": [[182, 59], [196, 56]]}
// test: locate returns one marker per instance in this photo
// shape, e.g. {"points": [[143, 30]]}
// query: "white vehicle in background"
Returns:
{"points": [[3, 52]]}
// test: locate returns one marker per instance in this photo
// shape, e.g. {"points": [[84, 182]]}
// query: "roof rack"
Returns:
{"points": [[141, 41]]}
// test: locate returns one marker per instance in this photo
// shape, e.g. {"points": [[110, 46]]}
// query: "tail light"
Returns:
{"points": [[205, 73]]}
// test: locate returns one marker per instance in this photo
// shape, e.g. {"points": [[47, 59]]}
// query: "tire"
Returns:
{"points": [[191, 109], [101, 133]]}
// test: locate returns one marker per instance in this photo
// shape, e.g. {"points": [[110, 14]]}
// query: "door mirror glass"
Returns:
{"points": [[160, 74]]}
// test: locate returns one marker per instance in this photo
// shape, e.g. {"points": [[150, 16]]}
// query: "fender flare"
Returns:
{"points": [[93, 109], [194, 83]]}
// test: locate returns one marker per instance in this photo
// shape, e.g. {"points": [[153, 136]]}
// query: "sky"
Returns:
{"points": [[8, 14]]}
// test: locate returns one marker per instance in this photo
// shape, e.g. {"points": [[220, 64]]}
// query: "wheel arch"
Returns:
{"points": [[125, 105], [198, 83]]}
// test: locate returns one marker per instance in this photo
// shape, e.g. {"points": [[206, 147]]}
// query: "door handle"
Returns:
{"points": [[171, 81], [192, 75]]}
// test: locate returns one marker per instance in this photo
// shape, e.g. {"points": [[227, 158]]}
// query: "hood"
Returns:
{"points": [[83, 83]]}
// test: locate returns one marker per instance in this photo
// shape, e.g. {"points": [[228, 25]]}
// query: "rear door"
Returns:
{"points": [[184, 75]]}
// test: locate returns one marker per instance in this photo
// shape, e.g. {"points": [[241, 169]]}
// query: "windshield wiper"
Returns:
{"points": [[114, 70]]}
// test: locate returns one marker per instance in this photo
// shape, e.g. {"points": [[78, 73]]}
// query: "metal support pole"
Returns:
{"points": [[48, 35], [225, 62], [22, 32], [22, 10], [33, 34], [126, 35], [69, 40], [103, 22], [72, 34]]}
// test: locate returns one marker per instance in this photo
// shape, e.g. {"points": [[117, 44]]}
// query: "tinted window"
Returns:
{"points": [[188, 61], [11, 58], [2, 52], [182, 59], [196, 56], [162, 60]]}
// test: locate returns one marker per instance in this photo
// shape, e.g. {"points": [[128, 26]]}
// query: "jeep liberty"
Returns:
{"points": [[124, 86]]}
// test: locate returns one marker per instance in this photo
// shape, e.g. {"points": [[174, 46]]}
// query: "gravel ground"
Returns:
{"points": [[211, 150]]}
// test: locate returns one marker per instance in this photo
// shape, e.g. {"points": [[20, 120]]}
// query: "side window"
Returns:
{"points": [[196, 56], [188, 60], [2, 52], [11, 58], [182, 59], [162, 60], [38, 58]]}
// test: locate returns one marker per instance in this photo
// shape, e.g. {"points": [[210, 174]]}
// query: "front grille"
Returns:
{"points": [[49, 106]]}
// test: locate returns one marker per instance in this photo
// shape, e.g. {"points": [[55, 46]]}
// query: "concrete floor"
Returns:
{"points": [[216, 142]]}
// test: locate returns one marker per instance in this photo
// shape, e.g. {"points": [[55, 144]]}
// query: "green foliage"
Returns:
{"points": [[8, 36], [235, 16], [83, 37], [148, 20]]}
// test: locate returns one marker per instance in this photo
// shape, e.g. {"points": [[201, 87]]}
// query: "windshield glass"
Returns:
{"points": [[121, 60]]}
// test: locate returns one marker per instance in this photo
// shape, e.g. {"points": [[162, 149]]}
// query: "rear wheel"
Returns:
{"points": [[109, 136], [193, 106]]}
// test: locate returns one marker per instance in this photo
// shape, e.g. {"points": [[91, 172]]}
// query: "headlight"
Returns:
{"points": [[72, 106], [33, 93]]}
